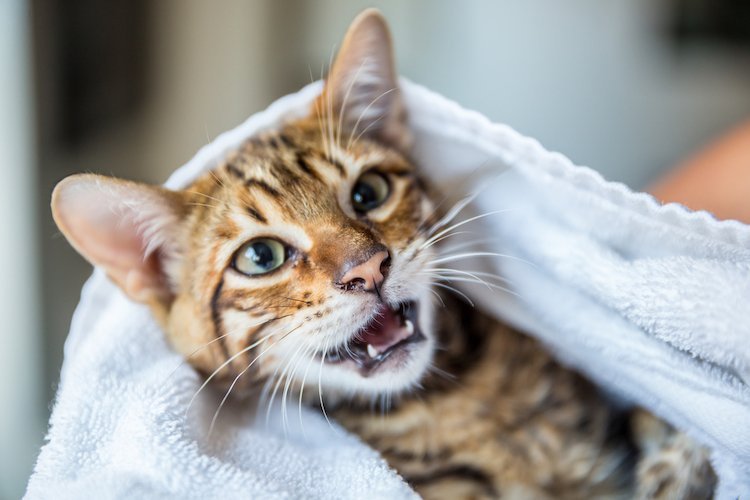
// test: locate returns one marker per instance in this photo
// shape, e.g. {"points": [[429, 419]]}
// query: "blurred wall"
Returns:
{"points": [[595, 80], [202, 78], [22, 417]]}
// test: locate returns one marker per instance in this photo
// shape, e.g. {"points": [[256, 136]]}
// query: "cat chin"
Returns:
{"points": [[400, 373]]}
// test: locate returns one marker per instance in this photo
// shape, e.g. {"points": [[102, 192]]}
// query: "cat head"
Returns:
{"points": [[303, 257]]}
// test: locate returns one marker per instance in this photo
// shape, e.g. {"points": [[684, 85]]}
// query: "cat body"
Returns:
{"points": [[502, 418], [309, 264]]}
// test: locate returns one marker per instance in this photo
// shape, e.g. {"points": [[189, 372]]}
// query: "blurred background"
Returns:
{"points": [[134, 87]]}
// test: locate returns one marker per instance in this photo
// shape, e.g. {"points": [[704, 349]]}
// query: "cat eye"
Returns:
{"points": [[370, 191], [260, 256]]}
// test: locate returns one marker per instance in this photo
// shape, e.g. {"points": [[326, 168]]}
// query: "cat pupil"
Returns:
{"points": [[364, 194], [370, 191], [261, 254]]}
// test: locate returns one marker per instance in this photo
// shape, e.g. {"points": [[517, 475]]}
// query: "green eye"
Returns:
{"points": [[260, 256], [370, 191]]}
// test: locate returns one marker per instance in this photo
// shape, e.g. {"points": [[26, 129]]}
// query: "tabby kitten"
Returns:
{"points": [[305, 263]]}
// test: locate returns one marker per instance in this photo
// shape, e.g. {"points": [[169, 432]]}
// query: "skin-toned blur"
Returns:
{"points": [[631, 88], [716, 178]]}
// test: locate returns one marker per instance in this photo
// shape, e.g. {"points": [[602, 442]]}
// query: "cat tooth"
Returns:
{"points": [[372, 351], [409, 326]]}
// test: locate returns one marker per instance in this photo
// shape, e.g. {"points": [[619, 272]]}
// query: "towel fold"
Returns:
{"points": [[650, 301]]}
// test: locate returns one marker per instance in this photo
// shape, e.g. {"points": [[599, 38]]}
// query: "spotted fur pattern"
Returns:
{"points": [[471, 410]]}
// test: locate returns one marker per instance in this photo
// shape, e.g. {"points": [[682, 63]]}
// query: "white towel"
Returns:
{"points": [[652, 302]]}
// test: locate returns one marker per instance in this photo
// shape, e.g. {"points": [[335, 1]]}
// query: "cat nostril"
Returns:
{"points": [[367, 275], [385, 266], [354, 284]]}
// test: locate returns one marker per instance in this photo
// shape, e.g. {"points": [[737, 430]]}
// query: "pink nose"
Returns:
{"points": [[367, 275]]}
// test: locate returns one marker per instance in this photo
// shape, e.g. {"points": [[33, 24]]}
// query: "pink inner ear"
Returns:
{"points": [[114, 224], [362, 86], [108, 239]]}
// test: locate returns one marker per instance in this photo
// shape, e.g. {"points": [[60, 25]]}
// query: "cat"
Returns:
{"points": [[305, 263]]}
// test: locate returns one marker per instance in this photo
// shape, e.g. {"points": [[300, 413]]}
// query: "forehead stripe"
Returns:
{"points": [[305, 166], [261, 184], [287, 141], [235, 171], [337, 165], [255, 214], [253, 182], [283, 174]]}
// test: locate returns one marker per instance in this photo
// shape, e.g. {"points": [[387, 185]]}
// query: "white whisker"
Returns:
{"points": [[264, 398], [320, 385], [491, 286], [482, 273], [442, 274], [446, 236], [459, 224], [329, 100], [217, 339], [205, 195], [310, 359], [460, 204], [224, 364], [368, 127], [362, 114], [279, 380], [468, 244], [289, 381], [453, 212], [468, 255], [342, 111], [455, 290], [318, 114], [234, 382]]}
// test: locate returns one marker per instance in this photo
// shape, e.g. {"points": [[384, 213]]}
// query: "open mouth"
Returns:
{"points": [[388, 335]]}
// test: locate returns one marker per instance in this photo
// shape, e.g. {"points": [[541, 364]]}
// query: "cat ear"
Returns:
{"points": [[127, 228], [361, 90]]}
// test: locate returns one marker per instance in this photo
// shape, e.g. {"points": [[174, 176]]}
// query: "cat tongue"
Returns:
{"points": [[384, 331]]}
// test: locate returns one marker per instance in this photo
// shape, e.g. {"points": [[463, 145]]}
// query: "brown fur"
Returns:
{"points": [[223, 196], [496, 416], [503, 418]]}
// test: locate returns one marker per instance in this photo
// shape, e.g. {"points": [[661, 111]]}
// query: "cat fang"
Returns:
{"points": [[386, 340]]}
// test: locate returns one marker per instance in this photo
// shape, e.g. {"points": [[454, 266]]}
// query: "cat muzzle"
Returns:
{"points": [[385, 340]]}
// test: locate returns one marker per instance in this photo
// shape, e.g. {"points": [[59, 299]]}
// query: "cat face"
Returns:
{"points": [[306, 259], [302, 260]]}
